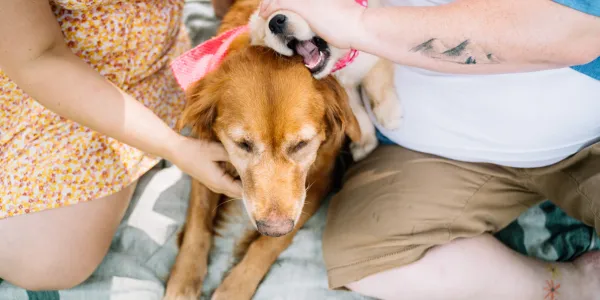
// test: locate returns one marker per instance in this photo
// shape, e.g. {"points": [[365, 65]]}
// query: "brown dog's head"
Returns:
{"points": [[274, 119]]}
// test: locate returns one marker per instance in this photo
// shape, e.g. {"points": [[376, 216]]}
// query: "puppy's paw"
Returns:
{"points": [[389, 111], [367, 144]]}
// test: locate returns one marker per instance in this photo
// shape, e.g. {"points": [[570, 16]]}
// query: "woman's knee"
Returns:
{"points": [[60, 248], [57, 272]]}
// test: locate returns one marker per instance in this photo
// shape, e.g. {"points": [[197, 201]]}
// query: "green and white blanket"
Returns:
{"points": [[144, 249]]}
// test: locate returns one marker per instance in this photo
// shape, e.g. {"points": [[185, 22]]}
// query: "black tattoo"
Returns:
{"points": [[458, 50], [424, 47], [464, 53]]}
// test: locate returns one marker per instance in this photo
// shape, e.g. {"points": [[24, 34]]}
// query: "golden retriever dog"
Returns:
{"points": [[289, 34], [283, 130]]}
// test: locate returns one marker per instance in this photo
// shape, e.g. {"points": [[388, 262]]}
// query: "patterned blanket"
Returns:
{"points": [[144, 248]]}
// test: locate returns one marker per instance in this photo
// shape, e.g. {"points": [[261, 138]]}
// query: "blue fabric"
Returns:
{"points": [[591, 7], [383, 140], [591, 69]]}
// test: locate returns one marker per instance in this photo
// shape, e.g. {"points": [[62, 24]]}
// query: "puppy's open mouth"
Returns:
{"points": [[315, 53]]}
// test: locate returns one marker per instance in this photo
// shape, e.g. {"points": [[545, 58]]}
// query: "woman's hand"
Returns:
{"points": [[339, 22], [200, 159]]}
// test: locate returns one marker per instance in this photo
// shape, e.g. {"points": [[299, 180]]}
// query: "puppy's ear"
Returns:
{"points": [[201, 109], [338, 115]]}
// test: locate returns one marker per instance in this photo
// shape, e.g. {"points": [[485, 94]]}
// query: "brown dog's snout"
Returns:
{"points": [[278, 24], [275, 227]]}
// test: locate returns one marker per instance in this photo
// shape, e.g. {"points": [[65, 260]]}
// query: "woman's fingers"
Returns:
{"points": [[217, 152], [225, 183]]}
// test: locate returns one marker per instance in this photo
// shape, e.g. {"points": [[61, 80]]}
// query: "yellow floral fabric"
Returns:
{"points": [[47, 161]]}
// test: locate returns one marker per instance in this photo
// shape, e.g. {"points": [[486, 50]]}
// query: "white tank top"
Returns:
{"points": [[521, 120]]}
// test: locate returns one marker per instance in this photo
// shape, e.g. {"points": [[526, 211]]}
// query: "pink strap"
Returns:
{"points": [[346, 60], [349, 58]]}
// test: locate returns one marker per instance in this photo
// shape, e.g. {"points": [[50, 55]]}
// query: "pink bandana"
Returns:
{"points": [[194, 64]]}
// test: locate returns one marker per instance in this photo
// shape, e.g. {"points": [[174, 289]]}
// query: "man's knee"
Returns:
{"points": [[395, 205], [369, 235]]}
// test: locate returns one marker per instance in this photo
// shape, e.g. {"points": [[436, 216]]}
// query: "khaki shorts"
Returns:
{"points": [[396, 204]]}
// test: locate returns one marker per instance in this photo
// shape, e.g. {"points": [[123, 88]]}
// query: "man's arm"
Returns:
{"points": [[482, 36]]}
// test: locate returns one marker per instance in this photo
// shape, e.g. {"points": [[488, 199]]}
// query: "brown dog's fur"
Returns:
{"points": [[283, 130]]}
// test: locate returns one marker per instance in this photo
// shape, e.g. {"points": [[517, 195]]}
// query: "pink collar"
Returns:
{"points": [[346, 60], [194, 64], [349, 58]]}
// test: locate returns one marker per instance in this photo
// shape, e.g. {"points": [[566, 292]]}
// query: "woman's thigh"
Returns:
{"points": [[60, 248]]}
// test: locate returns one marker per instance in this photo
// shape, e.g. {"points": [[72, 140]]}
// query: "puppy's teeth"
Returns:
{"points": [[321, 57]]}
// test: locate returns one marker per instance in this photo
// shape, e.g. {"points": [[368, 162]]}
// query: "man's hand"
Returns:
{"points": [[339, 22]]}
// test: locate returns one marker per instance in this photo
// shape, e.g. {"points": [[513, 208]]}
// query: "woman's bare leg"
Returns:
{"points": [[60, 248]]}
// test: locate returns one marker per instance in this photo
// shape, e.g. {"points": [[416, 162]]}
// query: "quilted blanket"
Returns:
{"points": [[144, 248]]}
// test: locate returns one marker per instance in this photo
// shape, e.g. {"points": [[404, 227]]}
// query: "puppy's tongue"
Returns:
{"points": [[309, 51]]}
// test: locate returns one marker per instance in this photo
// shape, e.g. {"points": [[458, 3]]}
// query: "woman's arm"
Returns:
{"points": [[33, 54], [466, 36]]}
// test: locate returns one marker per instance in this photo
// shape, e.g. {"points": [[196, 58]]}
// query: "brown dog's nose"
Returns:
{"points": [[278, 24], [275, 227]]}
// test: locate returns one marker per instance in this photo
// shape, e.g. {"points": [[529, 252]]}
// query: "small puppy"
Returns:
{"points": [[282, 140], [289, 34]]}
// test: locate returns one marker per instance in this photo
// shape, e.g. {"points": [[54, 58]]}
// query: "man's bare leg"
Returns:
{"points": [[483, 268]]}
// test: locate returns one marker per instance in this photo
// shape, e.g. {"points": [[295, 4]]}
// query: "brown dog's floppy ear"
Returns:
{"points": [[339, 115], [201, 109]]}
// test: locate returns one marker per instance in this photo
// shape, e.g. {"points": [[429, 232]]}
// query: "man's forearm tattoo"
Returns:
{"points": [[464, 53]]}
